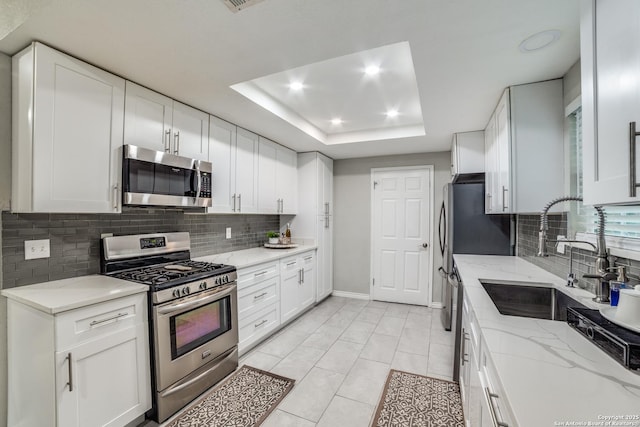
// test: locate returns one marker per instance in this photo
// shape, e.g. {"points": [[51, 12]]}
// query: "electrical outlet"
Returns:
{"points": [[560, 247], [34, 249], [228, 232]]}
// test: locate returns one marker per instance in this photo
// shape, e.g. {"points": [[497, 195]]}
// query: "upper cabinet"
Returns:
{"points": [[67, 134], [233, 152], [277, 179], [159, 123], [610, 58], [467, 153], [524, 154]]}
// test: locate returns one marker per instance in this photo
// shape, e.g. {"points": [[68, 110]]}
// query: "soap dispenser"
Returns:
{"points": [[619, 283]]}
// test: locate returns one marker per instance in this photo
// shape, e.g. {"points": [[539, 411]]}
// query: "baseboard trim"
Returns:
{"points": [[354, 295], [436, 305]]}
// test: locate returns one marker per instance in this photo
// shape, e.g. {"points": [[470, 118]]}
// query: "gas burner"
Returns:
{"points": [[174, 273]]}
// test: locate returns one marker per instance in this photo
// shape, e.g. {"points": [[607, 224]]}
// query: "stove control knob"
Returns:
{"points": [[203, 286], [176, 293], [226, 278], [185, 290], [217, 281]]}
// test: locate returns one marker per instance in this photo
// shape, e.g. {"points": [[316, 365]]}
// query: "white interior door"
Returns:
{"points": [[401, 234]]}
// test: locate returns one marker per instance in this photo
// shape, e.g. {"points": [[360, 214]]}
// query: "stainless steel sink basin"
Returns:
{"points": [[525, 299]]}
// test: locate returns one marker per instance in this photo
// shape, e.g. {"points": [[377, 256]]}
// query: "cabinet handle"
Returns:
{"points": [[260, 296], [302, 271], [176, 142], [326, 208], [115, 197], [504, 204], [463, 351], [239, 202], [326, 221], [234, 201], [494, 416], [257, 325], [307, 258], [261, 273], [633, 185], [116, 317], [299, 276], [291, 263], [167, 140], [70, 383], [489, 202]]}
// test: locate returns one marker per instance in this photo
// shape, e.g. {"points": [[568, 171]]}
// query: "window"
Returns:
{"points": [[623, 222]]}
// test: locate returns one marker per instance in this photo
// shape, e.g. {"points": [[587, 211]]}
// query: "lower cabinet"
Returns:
{"points": [[83, 367], [298, 283]]}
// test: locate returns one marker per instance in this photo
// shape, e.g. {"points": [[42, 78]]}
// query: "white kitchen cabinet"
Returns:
{"points": [[493, 395], [67, 134], [277, 178], [84, 367], [610, 58], [258, 303], [159, 123], [467, 152], [524, 154], [233, 152], [315, 214], [297, 275]]}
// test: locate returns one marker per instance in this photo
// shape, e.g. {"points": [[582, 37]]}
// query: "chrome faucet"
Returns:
{"points": [[602, 263]]}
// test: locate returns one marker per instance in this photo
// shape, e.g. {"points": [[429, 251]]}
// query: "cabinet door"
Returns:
{"points": [[610, 51], [454, 155], [490, 164], [308, 285], [77, 135], [325, 257], [222, 155], [246, 168], [190, 134], [268, 201], [290, 283], [501, 199], [147, 118], [325, 180], [475, 393], [287, 180], [110, 382], [465, 366]]}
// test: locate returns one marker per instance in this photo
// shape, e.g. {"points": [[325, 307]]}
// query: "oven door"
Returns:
{"points": [[192, 331]]}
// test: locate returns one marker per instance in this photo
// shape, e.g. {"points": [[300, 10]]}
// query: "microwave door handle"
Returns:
{"points": [[199, 178]]}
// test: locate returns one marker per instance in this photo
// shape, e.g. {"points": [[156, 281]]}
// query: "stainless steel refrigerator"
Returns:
{"points": [[464, 228]]}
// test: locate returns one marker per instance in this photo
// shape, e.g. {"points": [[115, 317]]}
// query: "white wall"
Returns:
{"points": [[5, 194], [352, 216]]}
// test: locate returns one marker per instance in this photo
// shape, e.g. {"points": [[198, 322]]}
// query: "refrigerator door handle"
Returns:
{"points": [[442, 228]]}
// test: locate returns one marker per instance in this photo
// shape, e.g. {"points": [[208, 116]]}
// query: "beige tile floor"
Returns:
{"points": [[340, 353]]}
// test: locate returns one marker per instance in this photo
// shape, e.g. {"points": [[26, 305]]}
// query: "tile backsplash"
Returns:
{"points": [[75, 238], [556, 263]]}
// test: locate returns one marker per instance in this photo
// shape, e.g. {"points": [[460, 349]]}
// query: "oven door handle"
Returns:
{"points": [[172, 390], [196, 301]]}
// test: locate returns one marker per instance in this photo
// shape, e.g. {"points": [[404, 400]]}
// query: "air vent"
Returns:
{"points": [[238, 5]]}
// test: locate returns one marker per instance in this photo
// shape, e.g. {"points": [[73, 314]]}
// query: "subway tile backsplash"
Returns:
{"points": [[556, 263], [75, 238]]}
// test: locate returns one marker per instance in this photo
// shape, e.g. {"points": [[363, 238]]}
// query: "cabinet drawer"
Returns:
{"points": [[289, 264], [257, 326], [257, 296], [308, 259], [83, 324], [255, 274]]}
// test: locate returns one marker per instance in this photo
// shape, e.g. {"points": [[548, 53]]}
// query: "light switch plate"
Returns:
{"points": [[228, 232], [34, 249]]}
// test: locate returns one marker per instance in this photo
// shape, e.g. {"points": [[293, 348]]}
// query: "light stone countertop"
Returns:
{"points": [[550, 373], [253, 256], [67, 294]]}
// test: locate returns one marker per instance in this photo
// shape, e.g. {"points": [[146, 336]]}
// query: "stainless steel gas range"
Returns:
{"points": [[192, 314]]}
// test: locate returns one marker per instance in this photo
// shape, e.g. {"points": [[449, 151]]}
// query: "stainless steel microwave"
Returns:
{"points": [[156, 178]]}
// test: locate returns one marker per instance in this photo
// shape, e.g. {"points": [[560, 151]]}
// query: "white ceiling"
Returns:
{"points": [[465, 52]]}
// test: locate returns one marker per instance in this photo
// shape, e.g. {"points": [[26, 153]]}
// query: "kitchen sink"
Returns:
{"points": [[527, 299]]}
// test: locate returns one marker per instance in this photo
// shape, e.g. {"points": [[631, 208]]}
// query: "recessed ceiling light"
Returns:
{"points": [[296, 85], [372, 70], [539, 41], [392, 113], [336, 121]]}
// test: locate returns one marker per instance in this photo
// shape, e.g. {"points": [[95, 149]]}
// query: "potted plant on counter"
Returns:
{"points": [[274, 237]]}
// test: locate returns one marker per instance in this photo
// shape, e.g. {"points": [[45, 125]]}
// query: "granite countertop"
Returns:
{"points": [[550, 373], [67, 294], [248, 257]]}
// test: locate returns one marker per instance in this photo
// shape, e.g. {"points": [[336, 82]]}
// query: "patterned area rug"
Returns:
{"points": [[245, 399], [411, 400]]}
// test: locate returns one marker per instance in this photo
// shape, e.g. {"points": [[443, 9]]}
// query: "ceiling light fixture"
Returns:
{"points": [[336, 121], [296, 86], [539, 41], [372, 70], [392, 113]]}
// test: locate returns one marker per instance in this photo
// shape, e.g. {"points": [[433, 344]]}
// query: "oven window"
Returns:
{"points": [[151, 178], [193, 328]]}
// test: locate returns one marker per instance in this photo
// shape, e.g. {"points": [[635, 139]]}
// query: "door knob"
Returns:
{"points": [[425, 245]]}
